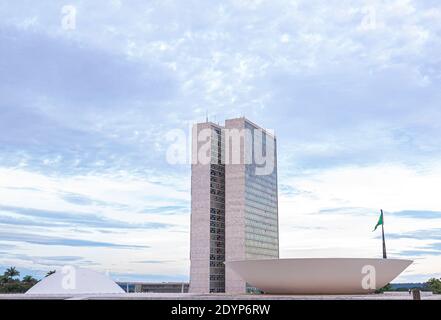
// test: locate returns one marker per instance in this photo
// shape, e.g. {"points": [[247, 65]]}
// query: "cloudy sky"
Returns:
{"points": [[351, 88]]}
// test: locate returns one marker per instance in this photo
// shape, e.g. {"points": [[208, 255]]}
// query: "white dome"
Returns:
{"points": [[70, 280]]}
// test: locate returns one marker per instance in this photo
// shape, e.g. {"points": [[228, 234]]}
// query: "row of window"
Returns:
{"points": [[218, 167], [216, 143], [254, 204], [216, 211], [217, 205], [217, 277], [217, 230], [217, 244], [217, 237], [260, 210], [258, 189], [217, 283], [217, 159], [217, 257], [217, 264], [254, 256], [217, 250], [261, 251], [263, 181], [217, 218], [217, 192], [220, 186], [257, 217], [254, 216], [262, 229], [257, 249], [217, 224], [266, 181], [261, 197], [262, 241], [219, 199], [216, 173], [260, 183], [216, 153], [255, 188], [218, 270], [263, 210], [220, 180]]}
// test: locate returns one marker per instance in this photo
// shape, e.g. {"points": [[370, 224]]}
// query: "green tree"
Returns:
{"points": [[387, 287], [10, 283], [434, 285], [11, 273], [29, 280]]}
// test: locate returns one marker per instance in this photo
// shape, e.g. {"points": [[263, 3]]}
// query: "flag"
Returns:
{"points": [[380, 221]]}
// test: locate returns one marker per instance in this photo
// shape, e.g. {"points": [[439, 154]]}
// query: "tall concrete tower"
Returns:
{"points": [[207, 239], [234, 202]]}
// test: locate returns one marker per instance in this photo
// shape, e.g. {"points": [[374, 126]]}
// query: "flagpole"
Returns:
{"points": [[382, 232]]}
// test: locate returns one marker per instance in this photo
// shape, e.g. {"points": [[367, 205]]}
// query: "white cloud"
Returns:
{"points": [[333, 211], [343, 100], [120, 197]]}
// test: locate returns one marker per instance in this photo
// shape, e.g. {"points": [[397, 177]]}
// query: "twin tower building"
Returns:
{"points": [[234, 202]]}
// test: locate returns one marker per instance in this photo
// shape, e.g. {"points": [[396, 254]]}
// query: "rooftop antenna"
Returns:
{"points": [[206, 115]]}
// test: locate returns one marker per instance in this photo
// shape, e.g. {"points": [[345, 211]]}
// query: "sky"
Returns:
{"points": [[90, 91]]}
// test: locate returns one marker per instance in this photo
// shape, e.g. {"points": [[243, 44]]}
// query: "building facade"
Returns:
{"points": [[207, 238], [154, 287], [234, 202], [251, 215]]}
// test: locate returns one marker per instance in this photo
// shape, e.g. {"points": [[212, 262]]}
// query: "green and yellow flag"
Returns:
{"points": [[380, 221]]}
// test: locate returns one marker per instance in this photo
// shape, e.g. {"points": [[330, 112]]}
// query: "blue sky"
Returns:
{"points": [[351, 88]]}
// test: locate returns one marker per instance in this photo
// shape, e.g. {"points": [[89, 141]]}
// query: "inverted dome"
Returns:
{"points": [[70, 280], [317, 275]]}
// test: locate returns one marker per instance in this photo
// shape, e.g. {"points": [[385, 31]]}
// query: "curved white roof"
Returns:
{"points": [[70, 280], [319, 275]]}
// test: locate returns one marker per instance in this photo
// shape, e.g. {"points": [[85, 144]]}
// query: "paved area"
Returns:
{"points": [[188, 296]]}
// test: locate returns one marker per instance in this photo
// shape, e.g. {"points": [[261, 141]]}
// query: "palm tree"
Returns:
{"points": [[29, 279], [50, 273], [10, 273]]}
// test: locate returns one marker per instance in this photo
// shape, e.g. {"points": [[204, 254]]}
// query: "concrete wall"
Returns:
{"points": [[200, 219], [234, 214]]}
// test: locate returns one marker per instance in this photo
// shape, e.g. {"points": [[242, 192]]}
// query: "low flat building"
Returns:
{"points": [[154, 287]]}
